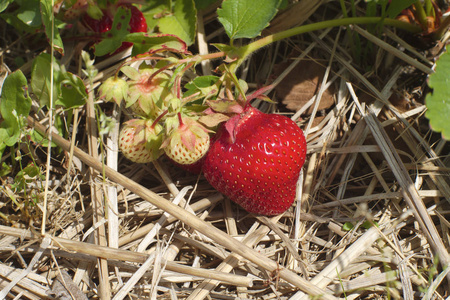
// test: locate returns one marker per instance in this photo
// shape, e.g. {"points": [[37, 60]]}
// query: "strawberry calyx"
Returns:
{"points": [[225, 106], [232, 111], [233, 124], [114, 89], [147, 98]]}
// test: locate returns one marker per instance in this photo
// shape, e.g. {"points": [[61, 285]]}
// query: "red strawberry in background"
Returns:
{"points": [[99, 26], [255, 160], [104, 24]]}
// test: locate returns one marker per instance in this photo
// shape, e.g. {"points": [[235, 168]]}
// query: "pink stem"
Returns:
{"points": [[180, 119], [159, 119]]}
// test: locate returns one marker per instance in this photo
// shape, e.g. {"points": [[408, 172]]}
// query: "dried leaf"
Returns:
{"points": [[302, 83], [213, 119], [225, 106]]}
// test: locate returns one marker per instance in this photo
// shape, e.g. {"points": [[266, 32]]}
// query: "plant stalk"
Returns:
{"points": [[421, 14], [245, 51], [443, 27]]}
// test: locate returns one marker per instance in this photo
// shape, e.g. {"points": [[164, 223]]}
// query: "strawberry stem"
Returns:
{"points": [[245, 51], [442, 28], [151, 77], [136, 58], [178, 85], [421, 14], [159, 118], [192, 97], [194, 59], [180, 120]]}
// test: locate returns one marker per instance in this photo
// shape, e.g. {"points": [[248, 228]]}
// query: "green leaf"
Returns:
{"points": [[347, 226], [144, 43], [15, 105], [154, 11], [73, 91], [51, 26], [14, 21], [182, 22], [202, 4], [28, 174], [30, 14], [206, 85], [246, 18], [4, 169], [42, 140], [438, 102], [2, 149], [283, 4], [40, 79], [117, 34], [4, 135], [26, 17], [68, 89], [202, 82], [396, 7], [15, 96], [4, 4]]}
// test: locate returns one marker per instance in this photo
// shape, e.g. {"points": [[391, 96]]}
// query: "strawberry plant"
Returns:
{"points": [[131, 83], [178, 117]]}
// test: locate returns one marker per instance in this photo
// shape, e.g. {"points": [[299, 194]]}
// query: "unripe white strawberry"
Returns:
{"points": [[187, 143], [140, 140]]}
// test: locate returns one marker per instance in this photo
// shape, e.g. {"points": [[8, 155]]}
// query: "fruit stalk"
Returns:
{"points": [[245, 51], [159, 119], [421, 14]]}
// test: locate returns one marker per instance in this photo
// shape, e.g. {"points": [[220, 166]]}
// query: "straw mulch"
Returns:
{"points": [[371, 220]]}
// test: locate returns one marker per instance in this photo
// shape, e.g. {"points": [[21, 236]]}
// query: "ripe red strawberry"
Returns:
{"points": [[104, 24], [137, 21], [255, 160], [99, 26], [137, 24]]}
